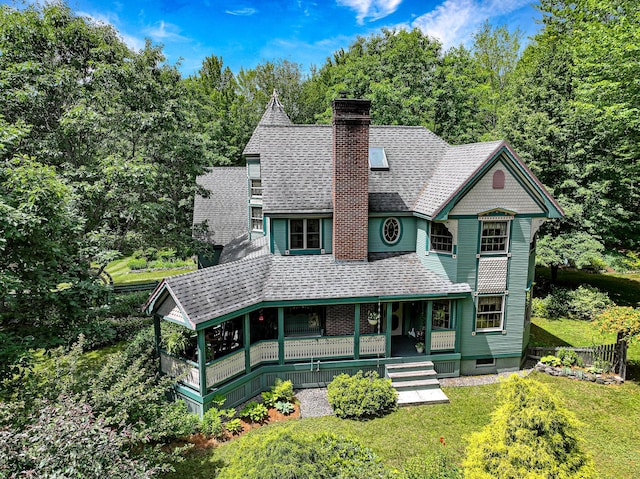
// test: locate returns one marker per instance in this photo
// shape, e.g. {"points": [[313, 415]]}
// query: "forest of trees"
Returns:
{"points": [[100, 145]]}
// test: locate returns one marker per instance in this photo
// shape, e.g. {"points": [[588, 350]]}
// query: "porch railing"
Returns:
{"points": [[442, 340], [224, 368], [374, 344], [309, 348], [264, 351], [175, 367]]}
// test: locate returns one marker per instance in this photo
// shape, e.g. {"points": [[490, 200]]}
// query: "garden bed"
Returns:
{"points": [[579, 374]]}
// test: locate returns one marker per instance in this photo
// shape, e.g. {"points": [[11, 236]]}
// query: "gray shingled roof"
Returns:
{"points": [[274, 114], [243, 247], [219, 290], [226, 208], [457, 165], [295, 162]]}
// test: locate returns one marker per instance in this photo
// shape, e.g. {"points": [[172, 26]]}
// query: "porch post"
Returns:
{"points": [[202, 362], [458, 310], [387, 351], [356, 333], [280, 335], [427, 334], [247, 343]]}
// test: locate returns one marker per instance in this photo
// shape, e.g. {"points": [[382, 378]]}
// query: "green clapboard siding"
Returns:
{"points": [[467, 250], [279, 235], [327, 235], [495, 343], [407, 240], [421, 237]]}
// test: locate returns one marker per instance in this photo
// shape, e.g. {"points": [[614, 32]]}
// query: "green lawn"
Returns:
{"points": [[610, 415], [121, 274]]}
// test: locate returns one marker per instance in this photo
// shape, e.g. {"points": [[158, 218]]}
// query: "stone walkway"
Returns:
{"points": [[314, 402]]}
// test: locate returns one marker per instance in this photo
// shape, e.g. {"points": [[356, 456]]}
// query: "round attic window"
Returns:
{"points": [[391, 231]]}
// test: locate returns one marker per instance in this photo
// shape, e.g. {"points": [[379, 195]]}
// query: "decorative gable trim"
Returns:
{"points": [[521, 173]]}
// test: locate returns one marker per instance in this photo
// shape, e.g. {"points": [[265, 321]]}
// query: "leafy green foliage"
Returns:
{"points": [[361, 396], [284, 407], [212, 423], [234, 426], [254, 412], [68, 440], [621, 319], [569, 357], [583, 303], [282, 390], [282, 453], [530, 435], [551, 361], [268, 399]]}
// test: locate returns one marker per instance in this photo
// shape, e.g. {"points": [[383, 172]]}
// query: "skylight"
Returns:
{"points": [[377, 158]]}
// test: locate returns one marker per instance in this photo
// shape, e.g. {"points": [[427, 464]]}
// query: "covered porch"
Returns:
{"points": [[226, 348]]}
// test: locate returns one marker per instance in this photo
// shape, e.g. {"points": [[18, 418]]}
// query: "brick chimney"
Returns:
{"points": [[350, 178]]}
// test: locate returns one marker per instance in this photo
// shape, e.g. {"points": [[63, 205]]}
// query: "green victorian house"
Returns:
{"points": [[346, 247]]}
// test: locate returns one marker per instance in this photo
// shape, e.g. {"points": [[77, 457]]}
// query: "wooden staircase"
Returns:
{"points": [[416, 383]]}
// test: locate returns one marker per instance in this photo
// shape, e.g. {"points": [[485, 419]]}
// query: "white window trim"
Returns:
{"points": [[256, 189], [494, 329], [261, 218], [507, 243], [304, 234], [453, 238]]}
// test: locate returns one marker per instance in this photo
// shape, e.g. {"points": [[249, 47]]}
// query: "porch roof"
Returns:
{"points": [[221, 290]]}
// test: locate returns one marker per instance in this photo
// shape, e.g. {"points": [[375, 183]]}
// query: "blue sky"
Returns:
{"points": [[248, 32]]}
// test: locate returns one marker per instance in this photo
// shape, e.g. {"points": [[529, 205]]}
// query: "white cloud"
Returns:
{"points": [[165, 32], [371, 9], [133, 42], [454, 21], [242, 12]]}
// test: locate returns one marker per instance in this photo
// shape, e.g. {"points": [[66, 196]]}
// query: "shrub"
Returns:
{"points": [[361, 395], [254, 412], [551, 361], [282, 390], [269, 399], [234, 426], [529, 435], [569, 358], [67, 440], [619, 319], [583, 303], [212, 423], [137, 263], [282, 453], [285, 408]]}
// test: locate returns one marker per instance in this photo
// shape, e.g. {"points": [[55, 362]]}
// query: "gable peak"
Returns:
{"points": [[274, 113]]}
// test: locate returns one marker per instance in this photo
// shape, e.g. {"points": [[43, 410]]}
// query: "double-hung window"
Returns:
{"points": [[441, 238], [304, 233], [256, 188], [256, 218], [495, 237], [490, 313]]}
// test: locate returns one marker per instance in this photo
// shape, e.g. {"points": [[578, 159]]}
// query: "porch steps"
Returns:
{"points": [[416, 383]]}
